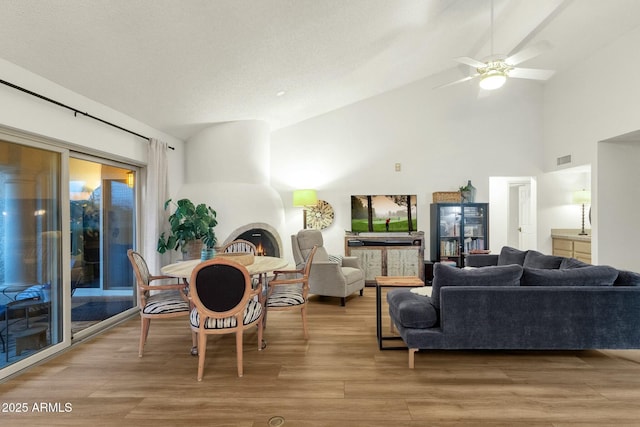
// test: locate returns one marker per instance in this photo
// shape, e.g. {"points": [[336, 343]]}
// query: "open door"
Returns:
{"points": [[526, 225]]}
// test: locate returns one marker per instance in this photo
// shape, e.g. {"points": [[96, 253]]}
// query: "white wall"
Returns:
{"points": [[594, 101], [442, 138], [618, 203], [27, 113]]}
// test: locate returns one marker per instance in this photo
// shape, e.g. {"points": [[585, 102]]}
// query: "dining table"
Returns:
{"points": [[262, 266]]}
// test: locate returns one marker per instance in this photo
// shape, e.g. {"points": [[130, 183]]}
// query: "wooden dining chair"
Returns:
{"points": [[156, 301], [224, 303], [291, 293], [239, 245]]}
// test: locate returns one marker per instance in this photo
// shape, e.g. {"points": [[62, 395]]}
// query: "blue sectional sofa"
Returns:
{"points": [[521, 300]]}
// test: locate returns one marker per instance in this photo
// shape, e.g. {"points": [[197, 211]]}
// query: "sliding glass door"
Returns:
{"points": [[64, 271], [31, 273], [102, 205]]}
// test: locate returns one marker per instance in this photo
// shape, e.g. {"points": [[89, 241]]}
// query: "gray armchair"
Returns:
{"points": [[330, 275]]}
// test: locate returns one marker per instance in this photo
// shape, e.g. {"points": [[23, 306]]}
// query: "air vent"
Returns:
{"points": [[564, 160]]}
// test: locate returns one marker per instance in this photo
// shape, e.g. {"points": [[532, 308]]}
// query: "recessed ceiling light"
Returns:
{"points": [[280, 93]]}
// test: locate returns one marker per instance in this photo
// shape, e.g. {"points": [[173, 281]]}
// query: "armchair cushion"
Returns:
{"points": [[321, 255], [307, 239]]}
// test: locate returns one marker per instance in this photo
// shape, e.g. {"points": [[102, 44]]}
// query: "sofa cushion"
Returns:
{"points": [[535, 259], [572, 263], [509, 255], [593, 275], [411, 310], [497, 275], [627, 278]]}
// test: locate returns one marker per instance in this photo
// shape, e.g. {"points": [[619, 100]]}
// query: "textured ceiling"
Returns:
{"points": [[181, 65]]}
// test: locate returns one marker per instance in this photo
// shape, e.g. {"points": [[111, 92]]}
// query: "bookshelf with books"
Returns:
{"points": [[458, 229]]}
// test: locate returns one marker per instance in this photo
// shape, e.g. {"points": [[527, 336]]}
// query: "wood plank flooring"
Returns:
{"points": [[337, 378]]}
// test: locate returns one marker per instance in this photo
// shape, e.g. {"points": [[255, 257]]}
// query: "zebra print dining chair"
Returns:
{"points": [[224, 303], [291, 293], [157, 301]]}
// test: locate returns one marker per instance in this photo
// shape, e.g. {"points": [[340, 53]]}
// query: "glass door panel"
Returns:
{"points": [[102, 199], [30, 250]]}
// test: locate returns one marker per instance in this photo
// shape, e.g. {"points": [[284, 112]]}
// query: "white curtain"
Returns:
{"points": [[155, 194]]}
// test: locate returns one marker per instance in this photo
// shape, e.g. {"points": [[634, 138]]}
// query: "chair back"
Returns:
{"points": [[239, 245], [220, 288], [307, 266], [304, 242], [139, 268]]}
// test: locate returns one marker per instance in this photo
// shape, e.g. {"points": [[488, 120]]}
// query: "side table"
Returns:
{"points": [[388, 282]]}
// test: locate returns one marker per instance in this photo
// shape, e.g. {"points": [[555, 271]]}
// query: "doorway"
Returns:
{"points": [[513, 220]]}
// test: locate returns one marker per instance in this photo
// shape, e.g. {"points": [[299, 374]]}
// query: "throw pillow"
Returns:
{"points": [[509, 255], [535, 259], [627, 278], [593, 275], [412, 311], [572, 263], [336, 258], [496, 275]]}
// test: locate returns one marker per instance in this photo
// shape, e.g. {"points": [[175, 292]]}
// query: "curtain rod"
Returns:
{"points": [[75, 110]]}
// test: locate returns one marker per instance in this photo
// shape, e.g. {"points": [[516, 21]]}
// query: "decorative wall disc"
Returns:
{"points": [[319, 216]]}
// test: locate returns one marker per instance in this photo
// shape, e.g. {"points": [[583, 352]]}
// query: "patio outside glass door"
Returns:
{"points": [[102, 202], [30, 250]]}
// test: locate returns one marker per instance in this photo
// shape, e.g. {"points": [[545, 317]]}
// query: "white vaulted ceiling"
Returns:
{"points": [[181, 65]]}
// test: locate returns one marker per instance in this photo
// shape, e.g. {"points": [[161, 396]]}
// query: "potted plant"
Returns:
{"points": [[190, 225]]}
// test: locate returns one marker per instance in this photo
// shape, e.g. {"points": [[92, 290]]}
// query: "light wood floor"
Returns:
{"points": [[337, 378]]}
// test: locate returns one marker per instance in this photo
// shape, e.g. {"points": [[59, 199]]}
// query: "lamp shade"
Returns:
{"points": [[305, 198], [582, 197]]}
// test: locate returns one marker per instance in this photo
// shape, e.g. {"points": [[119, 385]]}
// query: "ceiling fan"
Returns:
{"points": [[494, 71]]}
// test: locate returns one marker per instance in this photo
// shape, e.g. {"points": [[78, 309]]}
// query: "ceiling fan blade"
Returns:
{"points": [[531, 73], [471, 62], [456, 81], [528, 53]]}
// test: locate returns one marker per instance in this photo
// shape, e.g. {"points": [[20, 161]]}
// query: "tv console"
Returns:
{"points": [[387, 254]]}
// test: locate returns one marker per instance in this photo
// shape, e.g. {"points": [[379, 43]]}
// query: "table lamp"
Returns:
{"points": [[582, 197], [304, 198]]}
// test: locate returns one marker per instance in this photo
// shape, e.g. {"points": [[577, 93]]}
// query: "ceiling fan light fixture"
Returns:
{"points": [[493, 79]]}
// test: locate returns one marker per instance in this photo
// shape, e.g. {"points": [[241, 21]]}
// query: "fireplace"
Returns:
{"points": [[263, 236]]}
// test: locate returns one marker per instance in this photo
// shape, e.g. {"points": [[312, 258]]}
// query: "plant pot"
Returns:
{"points": [[192, 250], [207, 253]]}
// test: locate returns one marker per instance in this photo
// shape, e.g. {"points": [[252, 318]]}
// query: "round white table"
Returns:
{"points": [[260, 265]]}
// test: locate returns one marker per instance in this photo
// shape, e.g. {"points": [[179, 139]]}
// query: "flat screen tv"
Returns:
{"points": [[376, 213]]}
